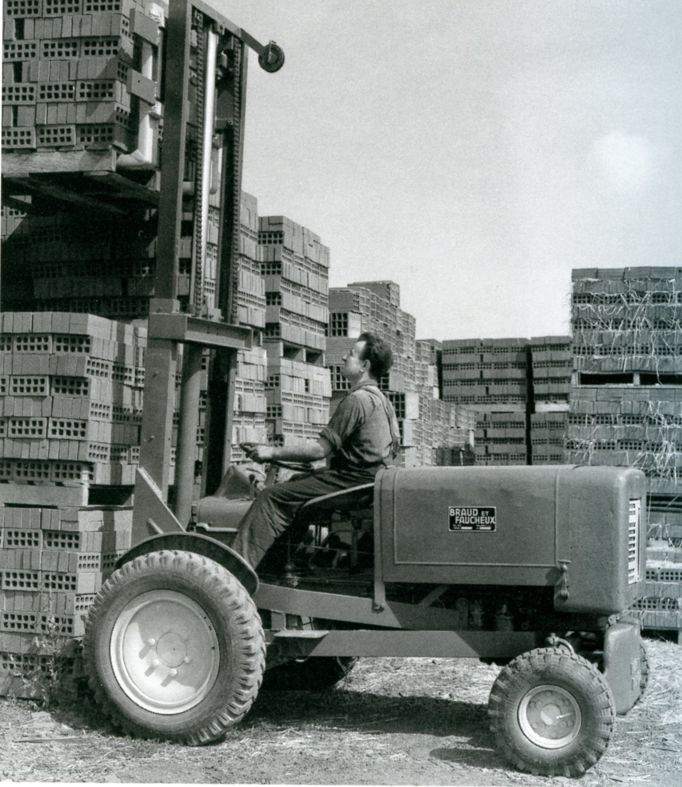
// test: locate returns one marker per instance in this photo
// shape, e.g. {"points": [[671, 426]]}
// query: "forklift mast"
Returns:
{"points": [[204, 84]]}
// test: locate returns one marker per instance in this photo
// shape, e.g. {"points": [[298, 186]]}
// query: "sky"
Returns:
{"points": [[473, 151]]}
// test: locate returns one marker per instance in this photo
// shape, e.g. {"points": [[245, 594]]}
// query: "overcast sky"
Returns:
{"points": [[474, 151]]}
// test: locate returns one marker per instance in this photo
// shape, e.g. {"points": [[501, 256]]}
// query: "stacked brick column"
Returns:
{"points": [[70, 406], [626, 405], [295, 266], [491, 376], [551, 367]]}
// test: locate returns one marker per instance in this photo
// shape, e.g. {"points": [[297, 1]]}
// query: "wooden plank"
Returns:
{"points": [[52, 189], [116, 185], [56, 161]]}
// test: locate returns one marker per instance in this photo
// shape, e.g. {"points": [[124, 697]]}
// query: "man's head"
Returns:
{"points": [[369, 358]]}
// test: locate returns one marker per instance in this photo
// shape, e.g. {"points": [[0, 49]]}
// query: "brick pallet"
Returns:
{"points": [[70, 398], [53, 560], [68, 73], [626, 406]]}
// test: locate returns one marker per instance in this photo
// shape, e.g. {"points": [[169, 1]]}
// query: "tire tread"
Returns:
{"points": [[234, 601]]}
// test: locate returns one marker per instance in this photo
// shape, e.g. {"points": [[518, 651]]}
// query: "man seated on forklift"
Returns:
{"points": [[361, 437]]}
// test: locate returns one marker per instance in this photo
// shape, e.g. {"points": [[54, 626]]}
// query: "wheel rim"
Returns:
{"points": [[164, 652], [550, 717]]}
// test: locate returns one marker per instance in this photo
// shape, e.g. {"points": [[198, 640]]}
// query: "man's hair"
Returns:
{"points": [[378, 353]]}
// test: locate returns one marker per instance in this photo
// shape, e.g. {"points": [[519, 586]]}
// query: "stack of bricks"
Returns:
{"points": [[501, 438], [411, 423], [295, 266], [70, 398], [250, 400], [296, 269], [53, 561], [458, 445], [251, 289], [626, 401], [428, 357], [448, 429], [56, 262], [548, 436], [70, 409], [629, 425], [66, 70], [551, 370], [297, 395], [250, 403], [626, 405], [491, 376]]}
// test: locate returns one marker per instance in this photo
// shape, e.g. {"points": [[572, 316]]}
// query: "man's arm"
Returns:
{"points": [[313, 451]]}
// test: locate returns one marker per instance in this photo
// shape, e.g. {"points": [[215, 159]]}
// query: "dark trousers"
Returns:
{"points": [[276, 506]]}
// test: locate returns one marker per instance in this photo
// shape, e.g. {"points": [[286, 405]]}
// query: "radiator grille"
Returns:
{"points": [[634, 519]]}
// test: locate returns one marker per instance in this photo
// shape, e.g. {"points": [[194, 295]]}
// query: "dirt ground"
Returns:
{"points": [[392, 721]]}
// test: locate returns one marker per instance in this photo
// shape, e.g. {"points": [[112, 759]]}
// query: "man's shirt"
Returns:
{"points": [[363, 429]]}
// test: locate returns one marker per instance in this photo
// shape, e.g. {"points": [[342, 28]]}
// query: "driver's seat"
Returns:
{"points": [[356, 500]]}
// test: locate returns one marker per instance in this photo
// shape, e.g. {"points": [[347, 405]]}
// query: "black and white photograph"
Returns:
{"points": [[341, 392]]}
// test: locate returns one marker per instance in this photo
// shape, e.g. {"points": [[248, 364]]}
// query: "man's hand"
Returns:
{"points": [[257, 452]]}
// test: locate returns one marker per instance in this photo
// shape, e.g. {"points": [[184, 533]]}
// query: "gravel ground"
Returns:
{"points": [[392, 721]]}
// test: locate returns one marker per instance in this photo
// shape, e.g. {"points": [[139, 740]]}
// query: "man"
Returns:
{"points": [[361, 437]]}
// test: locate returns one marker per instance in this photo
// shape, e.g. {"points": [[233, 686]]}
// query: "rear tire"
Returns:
{"points": [[174, 648], [551, 712], [314, 674]]}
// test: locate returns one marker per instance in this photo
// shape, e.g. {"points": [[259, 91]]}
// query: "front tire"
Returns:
{"points": [[174, 648], [551, 712]]}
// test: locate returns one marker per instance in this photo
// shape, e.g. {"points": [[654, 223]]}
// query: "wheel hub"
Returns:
{"points": [[550, 716], [172, 649], [164, 652]]}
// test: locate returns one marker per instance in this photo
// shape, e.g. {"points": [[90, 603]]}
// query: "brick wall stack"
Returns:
{"points": [[250, 404], [66, 69], [491, 376], [58, 262], [448, 429], [53, 561], [548, 436], [551, 368], [626, 405], [70, 408], [295, 266], [428, 358], [70, 396], [501, 438]]}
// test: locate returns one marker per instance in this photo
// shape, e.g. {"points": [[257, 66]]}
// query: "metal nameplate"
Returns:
{"points": [[480, 519]]}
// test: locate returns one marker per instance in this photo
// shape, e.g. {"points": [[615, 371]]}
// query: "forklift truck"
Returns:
{"points": [[534, 568]]}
